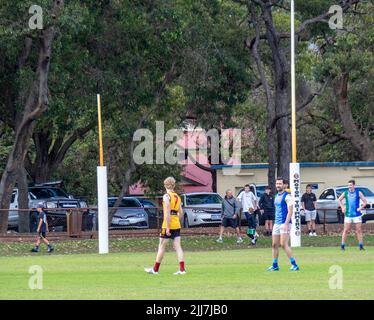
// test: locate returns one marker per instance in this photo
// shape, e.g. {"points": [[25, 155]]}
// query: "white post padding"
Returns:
{"points": [[102, 197], [295, 185]]}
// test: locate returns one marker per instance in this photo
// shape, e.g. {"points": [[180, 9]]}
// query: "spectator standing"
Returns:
{"points": [[249, 205], [230, 209], [309, 204], [267, 210]]}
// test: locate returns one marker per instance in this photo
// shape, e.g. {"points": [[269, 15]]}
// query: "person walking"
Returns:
{"points": [[171, 228], [42, 229]]}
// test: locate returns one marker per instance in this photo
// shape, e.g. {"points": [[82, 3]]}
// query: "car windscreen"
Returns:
{"points": [[46, 193], [365, 191], [147, 203], [203, 199], [126, 203], [260, 191]]}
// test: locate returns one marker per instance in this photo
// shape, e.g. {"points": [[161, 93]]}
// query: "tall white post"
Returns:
{"points": [[295, 185], [102, 196], [295, 182], [102, 189]]}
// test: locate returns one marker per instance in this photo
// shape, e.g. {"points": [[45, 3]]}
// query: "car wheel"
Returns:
{"points": [[186, 224]]}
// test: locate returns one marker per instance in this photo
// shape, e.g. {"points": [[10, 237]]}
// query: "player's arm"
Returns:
{"points": [[364, 202], [261, 203], [167, 216], [257, 206], [46, 224], [236, 209], [303, 203], [289, 213], [180, 212], [40, 225], [340, 199], [239, 198]]}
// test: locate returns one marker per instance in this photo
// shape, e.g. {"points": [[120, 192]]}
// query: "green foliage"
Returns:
{"points": [[165, 60]]}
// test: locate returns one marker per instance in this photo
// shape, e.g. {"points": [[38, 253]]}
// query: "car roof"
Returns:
{"points": [[126, 198], [339, 187], [198, 193], [40, 187]]}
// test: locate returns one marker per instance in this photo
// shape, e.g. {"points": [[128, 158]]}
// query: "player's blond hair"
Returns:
{"points": [[169, 183]]}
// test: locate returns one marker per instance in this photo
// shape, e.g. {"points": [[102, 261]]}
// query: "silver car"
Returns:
{"points": [[201, 208], [130, 214], [327, 204]]}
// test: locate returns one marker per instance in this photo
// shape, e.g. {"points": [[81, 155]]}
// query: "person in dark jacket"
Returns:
{"points": [[267, 210]]}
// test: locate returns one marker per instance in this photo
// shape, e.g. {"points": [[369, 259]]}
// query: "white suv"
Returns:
{"points": [[201, 208]]}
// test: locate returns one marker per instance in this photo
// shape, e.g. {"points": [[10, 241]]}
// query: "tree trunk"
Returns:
{"points": [[40, 169], [270, 104], [272, 156], [36, 104], [361, 142], [50, 152], [126, 182], [281, 72], [23, 201]]}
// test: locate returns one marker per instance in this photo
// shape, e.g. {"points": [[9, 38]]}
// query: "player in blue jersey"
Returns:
{"points": [[352, 211], [282, 226]]}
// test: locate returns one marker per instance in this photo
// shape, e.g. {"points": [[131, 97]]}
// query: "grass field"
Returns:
{"points": [[223, 273]]}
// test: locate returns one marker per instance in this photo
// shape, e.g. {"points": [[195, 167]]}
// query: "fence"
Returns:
{"points": [[140, 221]]}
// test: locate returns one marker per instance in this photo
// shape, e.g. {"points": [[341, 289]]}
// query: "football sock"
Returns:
{"points": [[181, 265], [156, 266], [275, 263], [293, 261]]}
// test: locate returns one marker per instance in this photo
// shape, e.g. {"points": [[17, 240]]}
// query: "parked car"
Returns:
{"points": [[201, 208], [130, 214], [53, 198], [152, 212], [328, 201]]}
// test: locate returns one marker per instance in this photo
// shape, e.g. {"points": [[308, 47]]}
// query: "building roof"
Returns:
{"points": [[302, 165]]}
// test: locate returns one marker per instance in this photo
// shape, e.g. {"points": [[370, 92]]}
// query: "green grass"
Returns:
{"points": [[192, 243], [223, 273]]}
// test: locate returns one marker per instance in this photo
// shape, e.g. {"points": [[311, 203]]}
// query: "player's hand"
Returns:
{"points": [[37, 230], [284, 227], [343, 210], [168, 232], [234, 216]]}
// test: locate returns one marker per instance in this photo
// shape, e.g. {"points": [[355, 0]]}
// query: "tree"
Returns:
{"points": [[266, 19], [34, 105]]}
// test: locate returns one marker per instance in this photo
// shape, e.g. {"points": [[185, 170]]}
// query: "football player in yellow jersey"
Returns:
{"points": [[171, 227]]}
